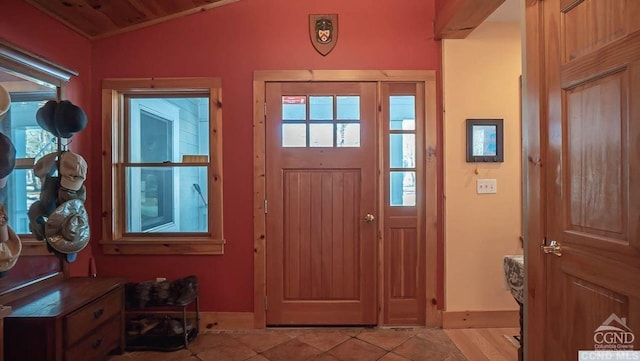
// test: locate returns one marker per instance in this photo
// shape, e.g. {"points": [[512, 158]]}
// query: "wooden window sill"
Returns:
{"points": [[164, 247]]}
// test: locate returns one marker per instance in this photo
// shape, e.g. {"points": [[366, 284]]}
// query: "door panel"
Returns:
{"points": [[592, 171], [320, 262], [321, 182]]}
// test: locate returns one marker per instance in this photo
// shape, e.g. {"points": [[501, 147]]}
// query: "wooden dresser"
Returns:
{"points": [[76, 319]]}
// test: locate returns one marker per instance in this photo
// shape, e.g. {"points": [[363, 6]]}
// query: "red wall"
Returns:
{"points": [[229, 42], [32, 30]]}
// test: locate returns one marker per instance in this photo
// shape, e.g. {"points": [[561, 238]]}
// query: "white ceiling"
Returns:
{"points": [[508, 11]]}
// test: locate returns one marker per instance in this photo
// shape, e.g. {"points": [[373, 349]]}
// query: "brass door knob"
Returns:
{"points": [[553, 248]]}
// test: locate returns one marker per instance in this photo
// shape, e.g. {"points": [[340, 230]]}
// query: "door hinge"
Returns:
{"points": [[265, 110], [266, 302], [265, 206]]}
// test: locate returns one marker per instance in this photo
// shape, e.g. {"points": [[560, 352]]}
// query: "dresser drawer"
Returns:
{"points": [[83, 321], [98, 343]]}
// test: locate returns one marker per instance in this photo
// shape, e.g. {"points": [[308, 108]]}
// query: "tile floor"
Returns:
{"points": [[319, 344]]}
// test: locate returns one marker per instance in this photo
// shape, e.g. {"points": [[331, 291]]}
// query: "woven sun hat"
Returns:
{"points": [[5, 102], [67, 228]]}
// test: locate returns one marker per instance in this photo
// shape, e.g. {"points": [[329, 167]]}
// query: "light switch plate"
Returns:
{"points": [[486, 186]]}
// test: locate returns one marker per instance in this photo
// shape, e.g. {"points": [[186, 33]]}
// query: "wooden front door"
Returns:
{"points": [[321, 194], [592, 167]]}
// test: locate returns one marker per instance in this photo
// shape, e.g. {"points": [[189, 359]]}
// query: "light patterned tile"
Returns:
{"points": [[293, 350], [258, 358], [324, 340], [393, 357], [211, 340], [386, 339], [420, 349], [237, 352], [302, 344], [325, 357], [356, 350], [262, 341], [160, 356]]}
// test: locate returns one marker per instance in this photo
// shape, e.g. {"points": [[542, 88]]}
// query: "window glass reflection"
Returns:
{"points": [[403, 189], [320, 108], [402, 112]]}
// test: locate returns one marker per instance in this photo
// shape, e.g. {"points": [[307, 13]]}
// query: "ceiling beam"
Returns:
{"points": [[458, 18]]}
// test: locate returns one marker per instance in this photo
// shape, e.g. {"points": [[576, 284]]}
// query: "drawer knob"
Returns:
{"points": [[97, 313], [96, 343]]}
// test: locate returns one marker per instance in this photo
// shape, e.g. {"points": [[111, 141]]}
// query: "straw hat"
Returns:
{"points": [[11, 248], [67, 228]]}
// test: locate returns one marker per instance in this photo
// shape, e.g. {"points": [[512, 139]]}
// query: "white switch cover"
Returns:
{"points": [[485, 186]]}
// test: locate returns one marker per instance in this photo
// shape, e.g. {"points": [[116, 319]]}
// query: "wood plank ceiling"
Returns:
{"points": [[97, 19], [102, 18]]}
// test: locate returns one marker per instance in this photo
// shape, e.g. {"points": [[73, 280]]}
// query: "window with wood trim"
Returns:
{"points": [[30, 81], [162, 141]]}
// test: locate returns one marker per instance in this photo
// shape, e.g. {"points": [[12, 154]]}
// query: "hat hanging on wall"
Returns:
{"points": [[45, 166], [73, 170], [37, 220], [9, 252], [5, 102], [10, 245], [67, 228], [44, 116], [69, 119], [7, 158], [62, 119]]}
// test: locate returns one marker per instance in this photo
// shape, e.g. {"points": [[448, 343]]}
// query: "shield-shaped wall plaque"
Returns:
{"points": [[323, 30]]}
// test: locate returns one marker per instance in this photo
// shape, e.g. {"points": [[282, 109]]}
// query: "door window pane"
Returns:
{"points": [[294, 135], [294, 107], [348, 107], [402, 150], [321, 108], [321, 135], [348, 134], [403, 189], [402, 112]]}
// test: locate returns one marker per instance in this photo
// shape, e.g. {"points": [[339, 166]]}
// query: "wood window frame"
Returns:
{"points": [[430, 222], [114, 238], [35, 68]]}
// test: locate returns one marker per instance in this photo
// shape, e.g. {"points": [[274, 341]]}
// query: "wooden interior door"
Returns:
{"points": [[321, 202], [592, 68]]}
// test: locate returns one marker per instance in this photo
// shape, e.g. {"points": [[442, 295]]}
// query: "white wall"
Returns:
{"points": [[481, 80]]}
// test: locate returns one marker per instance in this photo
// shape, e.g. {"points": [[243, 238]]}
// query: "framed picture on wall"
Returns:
{"points": [[485, 140]]}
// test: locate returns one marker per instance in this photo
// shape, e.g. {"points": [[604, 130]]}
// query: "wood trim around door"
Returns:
{"points": [[431, 171], [534, 104]]}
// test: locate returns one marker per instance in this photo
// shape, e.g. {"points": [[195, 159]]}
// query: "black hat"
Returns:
{"points": [[68, 119], [7, 158], [44, 116]]}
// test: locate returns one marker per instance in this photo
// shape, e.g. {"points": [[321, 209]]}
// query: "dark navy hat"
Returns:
{"points": [[7, 158], [69, 119]]}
